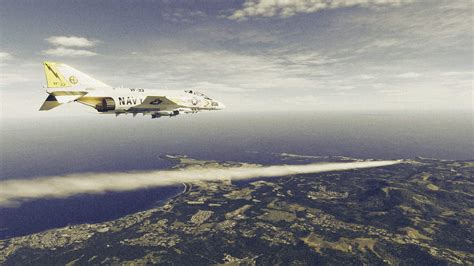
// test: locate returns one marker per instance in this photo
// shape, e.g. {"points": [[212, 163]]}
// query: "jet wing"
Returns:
{"points": [[155, 103]]}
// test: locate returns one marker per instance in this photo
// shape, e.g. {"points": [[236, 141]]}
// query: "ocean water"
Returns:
{"points": [[31, 148]]}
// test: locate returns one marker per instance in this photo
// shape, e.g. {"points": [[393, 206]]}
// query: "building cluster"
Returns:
{"points": [[322, 193], [200, 217]]}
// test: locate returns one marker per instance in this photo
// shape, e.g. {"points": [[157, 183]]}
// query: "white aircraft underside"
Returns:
{"points": [[66, 84]]}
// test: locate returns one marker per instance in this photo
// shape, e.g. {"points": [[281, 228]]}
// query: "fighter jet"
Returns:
{"points": [[66, 84]]}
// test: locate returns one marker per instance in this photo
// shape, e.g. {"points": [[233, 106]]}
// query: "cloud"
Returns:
{"points": [[4, 56], [182, 15], [408, 75], [308, 58], [305, 101], [4, 60], [392, 92], [62, 51], [210, 86], [230, 35], [71, 41], [16, 190], [380, 44], [22, 74], [63, 44], [263, 79], [458, 73], [282, 8], [231, 71], [12, 78], [426, 27], [366, 77]]}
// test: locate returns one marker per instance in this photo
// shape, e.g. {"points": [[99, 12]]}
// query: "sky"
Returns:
{"points": [[253, 55]]}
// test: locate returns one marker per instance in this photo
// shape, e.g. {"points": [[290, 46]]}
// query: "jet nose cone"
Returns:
{"points": [[220, 106], [216, 105]]}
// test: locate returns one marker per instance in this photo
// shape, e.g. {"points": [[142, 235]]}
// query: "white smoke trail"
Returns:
{"points": [[16, 190]]}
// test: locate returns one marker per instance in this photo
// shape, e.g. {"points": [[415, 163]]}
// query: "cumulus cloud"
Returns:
{"points": [[287, 8], [71, 41], [64, 43], [14, 191], [62, 51]]}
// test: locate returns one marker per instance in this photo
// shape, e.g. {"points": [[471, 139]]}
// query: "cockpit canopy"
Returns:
{"points": [[193, 92]]}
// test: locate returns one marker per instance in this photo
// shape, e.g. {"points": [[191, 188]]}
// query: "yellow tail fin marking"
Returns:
{"points": [[54, 79]]}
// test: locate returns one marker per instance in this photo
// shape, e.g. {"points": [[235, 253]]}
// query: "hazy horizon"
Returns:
{"points": [[60, 145]]}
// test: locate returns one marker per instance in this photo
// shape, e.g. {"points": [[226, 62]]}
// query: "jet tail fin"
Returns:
{"points": [[66, 84], [65, 78], [50, 103]]}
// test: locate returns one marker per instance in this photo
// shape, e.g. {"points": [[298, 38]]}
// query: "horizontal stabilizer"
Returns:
{"points": [[50, 103], [67, 98]]}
